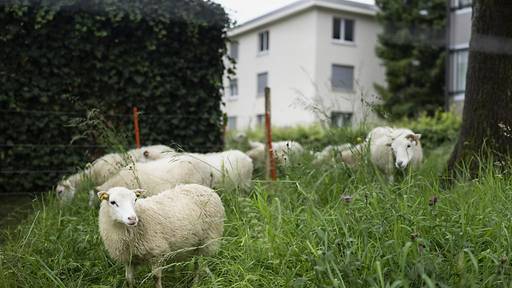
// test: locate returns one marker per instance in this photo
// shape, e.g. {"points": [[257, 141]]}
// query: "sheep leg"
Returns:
{"points": [[157, 275], [129, 275], [92, 197], [197, 268]]}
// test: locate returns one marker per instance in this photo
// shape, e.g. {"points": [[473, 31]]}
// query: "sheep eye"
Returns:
{"points": [[113, 203], [409, 146]]}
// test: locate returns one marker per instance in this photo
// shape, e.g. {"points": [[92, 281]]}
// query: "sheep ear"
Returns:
{"points": [[145, 153], [103, 195], [418, 136], [412, 137], [139, 192]]}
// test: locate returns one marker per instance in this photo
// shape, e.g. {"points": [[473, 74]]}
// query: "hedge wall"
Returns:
{"points": [[59, 59]]}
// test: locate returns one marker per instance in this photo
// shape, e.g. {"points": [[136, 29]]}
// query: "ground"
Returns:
{"points": [[325, 226]]}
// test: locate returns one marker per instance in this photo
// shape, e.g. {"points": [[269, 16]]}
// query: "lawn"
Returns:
{"points": [[325, 226]]}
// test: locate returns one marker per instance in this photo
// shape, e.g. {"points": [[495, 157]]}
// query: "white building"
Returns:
{"points": [[317, 56], [459, 24]]}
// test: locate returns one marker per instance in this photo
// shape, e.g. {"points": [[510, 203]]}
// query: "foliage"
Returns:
{"points": [[60, 60], [437, 130], [301, 232], [412, 49], [441, 128], [312, 137]]}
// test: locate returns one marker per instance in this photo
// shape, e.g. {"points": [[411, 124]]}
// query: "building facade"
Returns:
{"points": [[459, 35], [317, 56]]}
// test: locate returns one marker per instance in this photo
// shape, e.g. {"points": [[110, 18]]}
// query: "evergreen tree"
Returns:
{"points": [[412, 47]]}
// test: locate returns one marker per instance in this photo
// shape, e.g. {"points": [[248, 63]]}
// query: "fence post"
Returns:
{"points": [[136, 126], [270, 161]]}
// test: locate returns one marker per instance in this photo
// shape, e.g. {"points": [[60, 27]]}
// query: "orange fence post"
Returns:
{"points": [[270, 163], [136, 126]]}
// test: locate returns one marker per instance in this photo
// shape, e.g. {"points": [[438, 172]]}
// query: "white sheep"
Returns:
{"points": [[151, 153], [331, 152], [226, 169], [163, 174], [395, 148], [229, 169], [283, 150], [104, 167], [389, 148], [174, 225]]}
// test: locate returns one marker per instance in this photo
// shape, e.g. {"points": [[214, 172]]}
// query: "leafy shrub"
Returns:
{"points": [[60, 59], [312, 137], [441, 128]]}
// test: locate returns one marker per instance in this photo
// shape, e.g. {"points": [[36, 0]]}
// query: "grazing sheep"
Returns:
{"points": [[352, 156], [163, 174], [103, 168], [224, 169], [151, 153], [282, 151], [174, 225], [229, 169], [330, 153], [397, 148], [389, 148]]}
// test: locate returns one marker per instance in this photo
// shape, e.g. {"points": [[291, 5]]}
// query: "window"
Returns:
{"points": [[342, 78], [233, 50], [460, 68], [343, 29], [461, 3], [263, 43], [233, 88], [262, 83], [260, 120], [231, 123], [341, 119]]}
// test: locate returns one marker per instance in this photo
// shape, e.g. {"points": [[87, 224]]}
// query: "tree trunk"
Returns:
{"points": [[487, 117]]}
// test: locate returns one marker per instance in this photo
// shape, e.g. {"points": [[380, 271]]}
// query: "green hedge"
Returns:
{"points": [[62, 58]]}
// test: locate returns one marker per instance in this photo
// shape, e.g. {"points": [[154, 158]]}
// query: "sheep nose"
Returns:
{"points": [[400, 164], [132, 220]]}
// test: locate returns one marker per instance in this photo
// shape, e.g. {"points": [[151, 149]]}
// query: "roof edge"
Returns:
{"points": [[300, 6]]}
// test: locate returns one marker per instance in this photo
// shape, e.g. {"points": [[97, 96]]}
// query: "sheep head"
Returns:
{"points": [[404, 149], [120, 202]]}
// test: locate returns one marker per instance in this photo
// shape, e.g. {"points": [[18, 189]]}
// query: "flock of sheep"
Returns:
{"points": [[181, 215]]}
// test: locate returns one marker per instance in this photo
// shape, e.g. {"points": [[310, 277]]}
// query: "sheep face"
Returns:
{"points": [[65, 191], [121, 204], [155, 152], [404, 149]]}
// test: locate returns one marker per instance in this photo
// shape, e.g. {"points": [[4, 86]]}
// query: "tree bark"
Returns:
{"points": [[487, 116]]}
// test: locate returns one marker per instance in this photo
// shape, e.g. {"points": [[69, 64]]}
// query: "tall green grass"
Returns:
{"points": [[325, 226]]}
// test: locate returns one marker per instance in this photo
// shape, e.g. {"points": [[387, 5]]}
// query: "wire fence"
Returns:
{"points": [[107, 114], [62, 147]]}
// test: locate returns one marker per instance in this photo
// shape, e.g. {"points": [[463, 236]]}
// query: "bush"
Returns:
{"points": [[60, 59], [442, 128], [312, 137]]}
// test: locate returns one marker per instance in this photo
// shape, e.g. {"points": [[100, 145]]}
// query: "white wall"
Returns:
{"points": [[361, 55], [299, 68], [289, 63]]}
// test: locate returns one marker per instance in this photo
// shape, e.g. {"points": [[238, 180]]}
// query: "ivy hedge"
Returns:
{"points": [[62, 59]]}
